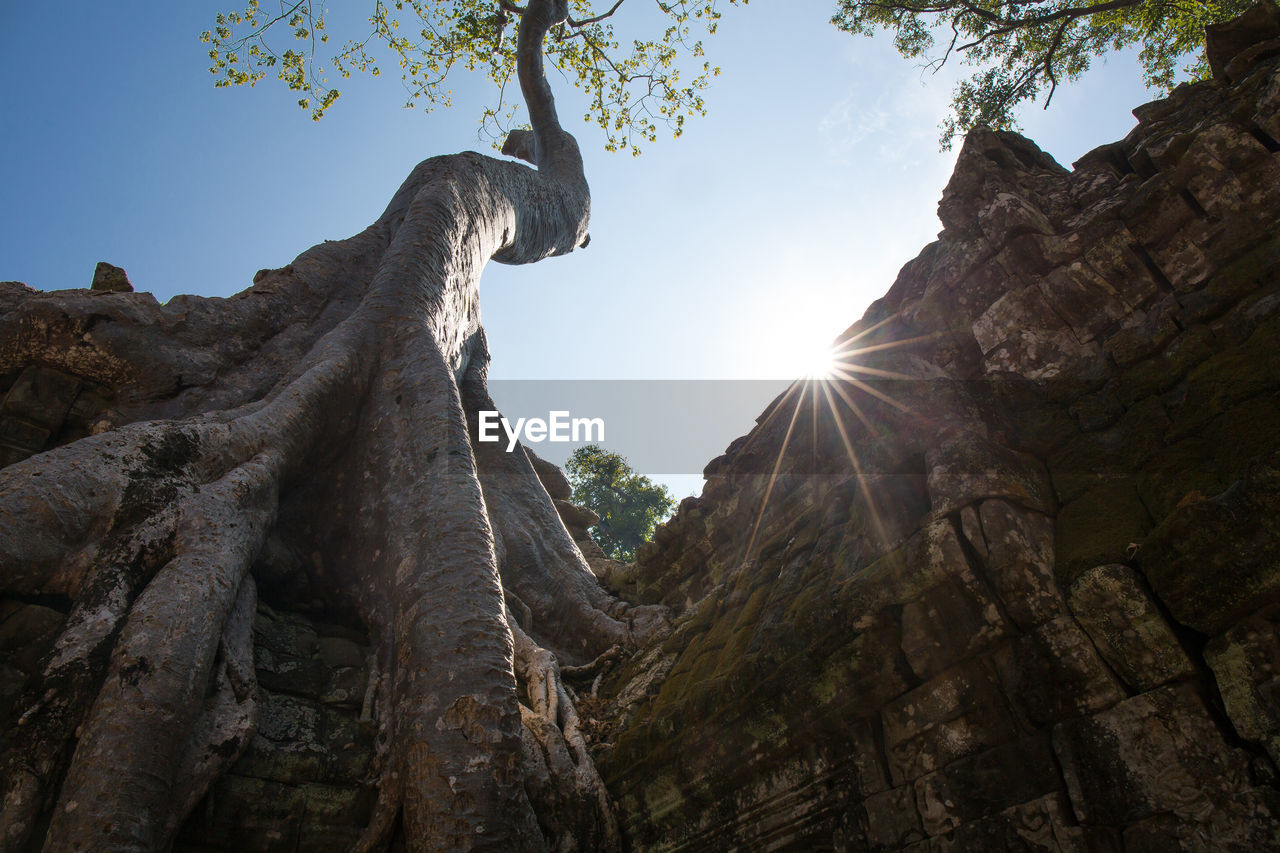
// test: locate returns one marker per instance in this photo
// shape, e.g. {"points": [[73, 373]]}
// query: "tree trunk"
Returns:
{"points": [[317, 413]]}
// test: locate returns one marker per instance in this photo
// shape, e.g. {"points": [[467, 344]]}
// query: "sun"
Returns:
{"points": [[818, 361]]}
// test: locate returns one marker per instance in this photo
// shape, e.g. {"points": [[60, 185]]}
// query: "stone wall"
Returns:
{"points": [[1014, 582]]}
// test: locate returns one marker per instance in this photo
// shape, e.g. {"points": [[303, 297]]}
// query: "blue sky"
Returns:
{"points": [[733, 252]]}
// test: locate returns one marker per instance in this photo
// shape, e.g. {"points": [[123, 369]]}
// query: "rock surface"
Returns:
{"points": [[1025, 595]]}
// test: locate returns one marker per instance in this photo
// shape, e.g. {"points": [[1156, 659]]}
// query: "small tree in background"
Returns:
{"points": [[630, 505]]}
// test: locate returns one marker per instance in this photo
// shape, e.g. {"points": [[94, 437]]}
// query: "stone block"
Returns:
{"points": [[1100, 527], [980, 785], [965, 467], [948, 623], [1054, 673], [892, 820], [1157, 752], [1040, 354], [1016, 311], [1149, 334], [1163, 370], [1019, 562], [1045, 824], [1246, 664], [1008, 215], [1113, 606], [1249, 820], [958, 713], [1217, 560], [284, 673], [1083, 299]]}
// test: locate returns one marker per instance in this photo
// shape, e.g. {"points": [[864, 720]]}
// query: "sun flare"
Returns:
{"points": [[819, 362]]}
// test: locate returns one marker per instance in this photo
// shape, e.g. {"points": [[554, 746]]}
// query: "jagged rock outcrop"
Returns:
{"points": [[1013, 582]]}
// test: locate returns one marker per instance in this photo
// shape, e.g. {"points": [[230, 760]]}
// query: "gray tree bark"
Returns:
{"points": [[321, 411]]}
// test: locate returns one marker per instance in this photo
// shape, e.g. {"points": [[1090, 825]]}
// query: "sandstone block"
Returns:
{"points": [[1157, 752], [958, 713], [1054, 673], [965, 467], [987, 783], [1246, 663], [1020, 562], [1113, 606]]}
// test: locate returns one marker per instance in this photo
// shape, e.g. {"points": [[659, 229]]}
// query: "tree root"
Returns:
{"points": [[561, 776], [117, 791], [227, 721]]}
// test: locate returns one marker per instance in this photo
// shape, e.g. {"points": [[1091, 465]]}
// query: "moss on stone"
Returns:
{"points": [[1099, 527]]}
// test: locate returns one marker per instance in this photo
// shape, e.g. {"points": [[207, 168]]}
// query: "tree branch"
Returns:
{"points": [[598, 18]]}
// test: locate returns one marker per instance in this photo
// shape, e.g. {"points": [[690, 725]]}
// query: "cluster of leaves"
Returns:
{"points": [[1026, 47], [632, 91], [630, 505]]}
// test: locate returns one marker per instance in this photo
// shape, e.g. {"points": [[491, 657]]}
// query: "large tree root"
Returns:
{"points": [[353, 411]]}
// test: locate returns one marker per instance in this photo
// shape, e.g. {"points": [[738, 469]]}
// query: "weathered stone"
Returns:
{"points": [[1148, 335], [296, 676], [1045, 824], [576, 518], [110, 278], [1105, 525], [339, 652], [263, 816], [966, 467], [1162, 372], [1246, 664], [1215, 560], [958, 713], [1019, 562], [980, 785], [892, 820], [41, 396], [1083, 299], [1113, 606], [1014, 313], [950, 622], [1054, 673], [1097, 411], [1008, 216], [1158, 752], [1223, 42]]}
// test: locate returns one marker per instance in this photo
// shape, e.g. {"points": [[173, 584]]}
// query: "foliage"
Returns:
{"points": [[630, 505], [632, 90], [1026, 47]]}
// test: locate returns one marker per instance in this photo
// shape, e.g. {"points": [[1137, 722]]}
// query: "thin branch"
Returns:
{"points": [[598, 18]]}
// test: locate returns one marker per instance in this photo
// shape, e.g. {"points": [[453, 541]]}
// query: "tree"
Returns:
{"points": [[630, 505], [1026, 47], [631, 91], [318, 426]]}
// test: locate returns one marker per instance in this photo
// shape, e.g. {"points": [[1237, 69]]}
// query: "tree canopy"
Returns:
{"points": [[633, 85], [630, 505], [1027, 47]]}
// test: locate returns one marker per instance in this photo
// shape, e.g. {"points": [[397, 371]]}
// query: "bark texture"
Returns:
{"points": [[308, 433]]}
